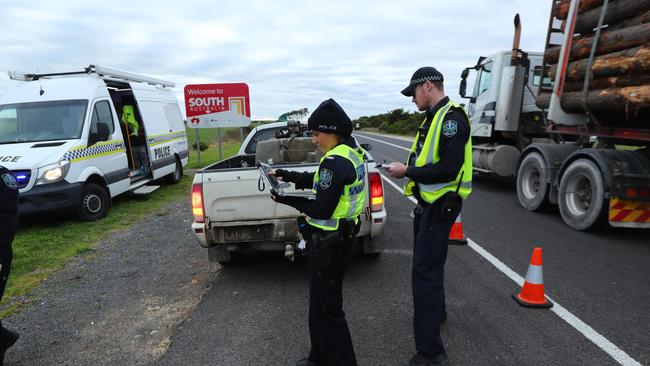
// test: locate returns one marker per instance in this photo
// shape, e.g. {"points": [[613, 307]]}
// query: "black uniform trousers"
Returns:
{"points": [[331, 344], [6, 256], [431, 234]]}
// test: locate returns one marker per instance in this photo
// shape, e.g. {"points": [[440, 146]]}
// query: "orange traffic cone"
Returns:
{"points": [[456, 236], [532, 293]]}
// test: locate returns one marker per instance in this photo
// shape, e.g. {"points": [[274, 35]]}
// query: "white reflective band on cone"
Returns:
{"points": [[535, 275]]}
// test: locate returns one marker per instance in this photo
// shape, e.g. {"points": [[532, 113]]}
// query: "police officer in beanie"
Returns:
{"points": [[439, 172], [330, 230], [8, 226]]}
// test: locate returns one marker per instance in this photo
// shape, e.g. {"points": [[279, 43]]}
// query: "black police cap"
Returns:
{"points": [[331, 118], [420, 76]]}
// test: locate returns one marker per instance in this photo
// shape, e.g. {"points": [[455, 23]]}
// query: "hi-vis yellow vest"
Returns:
{"points": [[429, 154], [351, 202], [128, 117]]}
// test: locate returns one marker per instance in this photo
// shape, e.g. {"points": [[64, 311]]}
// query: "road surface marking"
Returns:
{"points": [[384, 142], [603, 343]]}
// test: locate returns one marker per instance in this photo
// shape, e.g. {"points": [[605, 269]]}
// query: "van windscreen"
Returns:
{"points": [[42, 121]]}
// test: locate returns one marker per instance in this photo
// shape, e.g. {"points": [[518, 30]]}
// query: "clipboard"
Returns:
{"points": [[279, 186]]}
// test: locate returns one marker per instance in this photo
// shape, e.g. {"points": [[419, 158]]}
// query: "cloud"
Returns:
{"points": [[292, 54]]}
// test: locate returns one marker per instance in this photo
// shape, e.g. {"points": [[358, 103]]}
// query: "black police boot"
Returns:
{"points": [[423, 359], [7, 339], [305, 362]]}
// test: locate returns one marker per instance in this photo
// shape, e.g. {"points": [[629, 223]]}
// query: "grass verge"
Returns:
{"points": [[211, 155]]}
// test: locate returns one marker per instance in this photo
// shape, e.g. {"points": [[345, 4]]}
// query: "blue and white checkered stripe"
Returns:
{"points": [[109, 147]]}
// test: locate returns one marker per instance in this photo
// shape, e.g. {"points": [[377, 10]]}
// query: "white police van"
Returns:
{"points": [[74, 140]]}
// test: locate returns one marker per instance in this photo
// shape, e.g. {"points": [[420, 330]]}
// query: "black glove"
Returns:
{"points": [[277, 198], [287, 176]]}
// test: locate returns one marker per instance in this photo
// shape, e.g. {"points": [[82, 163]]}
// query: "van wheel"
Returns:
{"points": [[177, 175], [94, 203]]}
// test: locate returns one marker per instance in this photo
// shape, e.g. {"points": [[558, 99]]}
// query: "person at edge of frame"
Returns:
{"points": [[8, 227]]}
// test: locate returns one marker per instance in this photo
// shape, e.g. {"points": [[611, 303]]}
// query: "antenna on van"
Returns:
{"points": [[40, 86]]}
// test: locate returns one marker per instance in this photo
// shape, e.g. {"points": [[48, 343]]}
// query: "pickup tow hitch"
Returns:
{"points": [[289, 252]]}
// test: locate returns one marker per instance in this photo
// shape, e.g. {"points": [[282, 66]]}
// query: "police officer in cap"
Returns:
{"points": [[8, 226], [330, 230], [439, 172]]}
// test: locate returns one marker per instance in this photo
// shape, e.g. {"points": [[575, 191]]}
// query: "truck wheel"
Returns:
{"points": [[177, 175], [94, 203], [532, 182], [582, 195]]}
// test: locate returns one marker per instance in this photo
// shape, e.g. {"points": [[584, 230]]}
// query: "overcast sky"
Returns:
{"points": [[292, 54]]}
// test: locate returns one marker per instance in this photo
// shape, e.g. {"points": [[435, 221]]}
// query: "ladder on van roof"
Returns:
{"points": [[103, 71]]}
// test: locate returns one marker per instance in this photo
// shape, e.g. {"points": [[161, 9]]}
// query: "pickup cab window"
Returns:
{"points": [[263, 135]]}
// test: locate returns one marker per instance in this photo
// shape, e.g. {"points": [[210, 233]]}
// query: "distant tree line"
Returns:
{"points": [[397, 121]]}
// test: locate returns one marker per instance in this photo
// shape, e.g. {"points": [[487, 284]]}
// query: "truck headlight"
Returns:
{"points": [[53, 172]]}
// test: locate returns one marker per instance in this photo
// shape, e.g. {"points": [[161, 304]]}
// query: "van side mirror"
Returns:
{"points": [[102, 134]]}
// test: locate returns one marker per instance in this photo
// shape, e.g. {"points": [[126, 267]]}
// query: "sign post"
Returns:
{"points": [[217, 106]]}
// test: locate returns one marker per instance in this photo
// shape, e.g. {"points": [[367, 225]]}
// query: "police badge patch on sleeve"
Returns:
{"points": [[449, 128], [325, 178], [9, 180]]}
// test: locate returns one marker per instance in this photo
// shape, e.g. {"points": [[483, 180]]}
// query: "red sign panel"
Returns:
{"points": [[217, 105]]}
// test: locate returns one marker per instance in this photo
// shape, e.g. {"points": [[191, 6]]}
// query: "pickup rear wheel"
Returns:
{"points": [[582, 195], [369, 247], [94, 203], [219, 253], [532, 182]]}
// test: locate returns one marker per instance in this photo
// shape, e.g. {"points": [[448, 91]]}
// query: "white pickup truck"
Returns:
{"points": [[233, 210]]}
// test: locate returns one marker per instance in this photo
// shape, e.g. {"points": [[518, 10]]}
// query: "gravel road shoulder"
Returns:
{"points": [[120, 305]]}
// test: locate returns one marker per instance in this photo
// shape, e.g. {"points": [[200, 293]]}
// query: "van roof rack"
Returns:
{"points": [[103, 71]]}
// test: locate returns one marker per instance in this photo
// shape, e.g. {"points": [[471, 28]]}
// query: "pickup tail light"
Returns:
{"points": [[197, 202], [376, 192]]}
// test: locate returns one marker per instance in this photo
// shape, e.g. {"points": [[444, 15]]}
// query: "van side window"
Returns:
{"points": [[174, 117], [102, 114]]}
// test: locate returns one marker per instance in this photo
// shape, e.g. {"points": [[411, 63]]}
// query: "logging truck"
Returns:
{"points": [[572, 124]]}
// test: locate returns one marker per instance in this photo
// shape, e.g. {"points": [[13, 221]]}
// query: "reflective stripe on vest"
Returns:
{"points": [[430, 154], [352, 200]]}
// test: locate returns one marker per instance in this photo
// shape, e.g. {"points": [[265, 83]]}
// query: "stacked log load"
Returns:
{"points": [[619, 83]]}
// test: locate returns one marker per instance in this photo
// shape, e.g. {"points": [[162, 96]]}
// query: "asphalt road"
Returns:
{"points": [[256, 311], [149, 295]]}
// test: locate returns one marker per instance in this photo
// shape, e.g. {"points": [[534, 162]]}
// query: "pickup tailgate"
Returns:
{"points": [[235, 195]]}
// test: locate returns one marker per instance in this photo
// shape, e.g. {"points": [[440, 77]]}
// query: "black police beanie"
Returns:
{"points": [[331, 118]]}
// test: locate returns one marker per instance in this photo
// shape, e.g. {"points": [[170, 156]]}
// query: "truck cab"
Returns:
{"points": [[496, 89]]}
